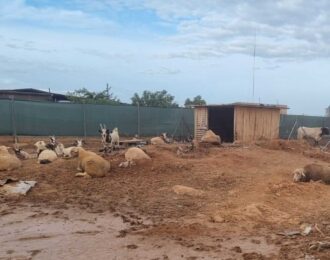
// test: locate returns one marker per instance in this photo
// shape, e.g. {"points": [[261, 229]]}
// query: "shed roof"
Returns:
{"points": [[244, 104], [32, 91]]}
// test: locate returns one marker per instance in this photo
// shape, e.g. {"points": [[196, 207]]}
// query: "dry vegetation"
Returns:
{"points": [[246, 196]]}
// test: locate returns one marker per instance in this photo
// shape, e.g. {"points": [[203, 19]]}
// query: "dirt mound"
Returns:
{"points": [[285, 145]]}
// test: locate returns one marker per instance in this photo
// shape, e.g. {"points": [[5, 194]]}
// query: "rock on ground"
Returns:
{"points": [[184, 190]]}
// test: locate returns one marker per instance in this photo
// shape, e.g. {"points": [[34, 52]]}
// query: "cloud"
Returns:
{"points": [[19, 11], [286, 29], [161, 71], [106, 55]]}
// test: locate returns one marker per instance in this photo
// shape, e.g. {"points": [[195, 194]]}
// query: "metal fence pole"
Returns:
{"points": [[138, 120], [13, 119], [84, 120]]}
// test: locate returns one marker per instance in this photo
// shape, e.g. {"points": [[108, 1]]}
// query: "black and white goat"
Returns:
{"points": [[109, 140], [55, 146]]}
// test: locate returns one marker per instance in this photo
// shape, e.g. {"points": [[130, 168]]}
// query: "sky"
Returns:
{"points": [[189, 48]]}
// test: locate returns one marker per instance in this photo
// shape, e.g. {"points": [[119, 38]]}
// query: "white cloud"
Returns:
{"points": [[18, 10]]}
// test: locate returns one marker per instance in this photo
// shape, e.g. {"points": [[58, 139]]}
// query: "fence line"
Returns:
{"points": [[44, 118], [41, 118], [290, 123]]}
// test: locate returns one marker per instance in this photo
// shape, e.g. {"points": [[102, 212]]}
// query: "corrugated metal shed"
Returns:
{"points": [[243, 122]]}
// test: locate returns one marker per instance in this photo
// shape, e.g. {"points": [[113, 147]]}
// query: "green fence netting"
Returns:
{"points": [[290, 123], [39, 118]]}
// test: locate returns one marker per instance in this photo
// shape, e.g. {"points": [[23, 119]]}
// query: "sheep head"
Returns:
{"points": [[299, 175], [4, 149]]}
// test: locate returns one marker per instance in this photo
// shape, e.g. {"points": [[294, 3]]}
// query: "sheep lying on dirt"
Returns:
{"points": [[91, 164], [132, 155], [8, 161], [312, 172], [162, 139], [44, 154], [211, 137]]}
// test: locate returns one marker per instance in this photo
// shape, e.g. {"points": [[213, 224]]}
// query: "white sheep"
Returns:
{"points": [[8, 161], [133, 155], [90, 164], [314, 133], [44, 155], [162, 139]]}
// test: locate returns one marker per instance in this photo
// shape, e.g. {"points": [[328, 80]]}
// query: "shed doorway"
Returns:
{"points": [[221, 122]]}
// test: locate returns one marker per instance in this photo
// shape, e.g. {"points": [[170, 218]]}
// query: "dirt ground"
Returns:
{"points": [[245, 204]]}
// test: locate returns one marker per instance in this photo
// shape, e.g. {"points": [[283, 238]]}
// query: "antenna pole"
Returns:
{"points": [[254, 64]]}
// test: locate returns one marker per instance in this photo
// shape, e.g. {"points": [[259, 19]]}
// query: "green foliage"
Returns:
{"points": [[83, 95], [154, 99], [198, 100]]}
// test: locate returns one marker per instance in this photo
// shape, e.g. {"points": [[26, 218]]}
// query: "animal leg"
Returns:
{"points": [[82, 174]]}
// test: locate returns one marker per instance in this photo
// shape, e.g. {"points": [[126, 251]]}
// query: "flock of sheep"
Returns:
{"points": [[91, 164]]}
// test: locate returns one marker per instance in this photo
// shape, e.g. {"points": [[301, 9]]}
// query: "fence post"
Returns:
{"points": [[13, 119], [138, 119], [84, 120]]}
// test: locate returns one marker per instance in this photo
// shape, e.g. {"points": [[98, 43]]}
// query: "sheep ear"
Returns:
{"points": [[100, 131]]}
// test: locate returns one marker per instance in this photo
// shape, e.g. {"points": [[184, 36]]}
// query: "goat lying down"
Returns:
{"points": [[67, 152], [314, 133], [90, 164], [312, 172]]}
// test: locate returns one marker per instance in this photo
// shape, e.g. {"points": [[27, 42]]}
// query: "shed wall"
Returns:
{"points": [[256, 123], [201, 121]]}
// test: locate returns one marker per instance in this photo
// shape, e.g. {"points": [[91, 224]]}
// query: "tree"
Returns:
{"points": [[327, 111], [154, 99], [83, 95], [198, 100]]}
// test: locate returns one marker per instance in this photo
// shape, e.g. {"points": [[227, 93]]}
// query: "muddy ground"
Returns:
{"points": [[246, 201]]}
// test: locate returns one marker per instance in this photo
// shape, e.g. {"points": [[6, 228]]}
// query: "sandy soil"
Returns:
{"points": [[245, 198]]}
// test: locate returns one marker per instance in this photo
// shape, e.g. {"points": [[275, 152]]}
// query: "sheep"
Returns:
{"points": [[8, 162], [162, 139], [314, 133], [312, 172], [211, 137], [90, 164], [132, 155], [44, 154]]}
